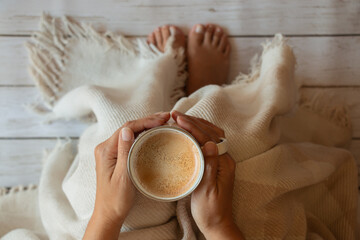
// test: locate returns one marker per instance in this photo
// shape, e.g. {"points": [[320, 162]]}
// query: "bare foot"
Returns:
{"points": [[160, 36], [208, 57]]}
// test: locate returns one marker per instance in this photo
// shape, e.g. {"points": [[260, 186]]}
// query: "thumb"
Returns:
{"points": [[126, 139]]}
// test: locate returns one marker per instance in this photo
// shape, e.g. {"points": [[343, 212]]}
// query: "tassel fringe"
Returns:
{"points": [[256, 61], [6, 191], [319, 103], [48, 55]]}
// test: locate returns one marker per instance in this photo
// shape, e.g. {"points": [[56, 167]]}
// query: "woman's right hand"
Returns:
{"points": [[211, 202], [115, 192]]}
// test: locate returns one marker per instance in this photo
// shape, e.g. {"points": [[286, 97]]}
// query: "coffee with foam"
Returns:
{"points": [[166, 164]]}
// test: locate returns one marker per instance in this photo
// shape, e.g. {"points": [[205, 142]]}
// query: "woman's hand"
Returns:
{"points": [[115, 192], [211, 202]]}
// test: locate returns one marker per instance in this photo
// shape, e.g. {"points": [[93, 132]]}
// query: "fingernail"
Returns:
{"points": [[181, 119], [127, 134], [175, 111], [218, 29], [199, 29], [210, 149], [163, 114]]}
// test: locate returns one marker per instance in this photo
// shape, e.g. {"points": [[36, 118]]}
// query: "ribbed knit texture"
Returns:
{"points": [[285, 187]]}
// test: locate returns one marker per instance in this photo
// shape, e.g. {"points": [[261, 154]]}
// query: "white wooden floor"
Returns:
{"points": [[325, 35]]}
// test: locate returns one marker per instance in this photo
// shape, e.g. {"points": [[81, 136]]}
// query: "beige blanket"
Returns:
{"points": [[288, 184]]}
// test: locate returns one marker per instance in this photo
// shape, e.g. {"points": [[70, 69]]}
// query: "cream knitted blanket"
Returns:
{"points": [[292, 182]]}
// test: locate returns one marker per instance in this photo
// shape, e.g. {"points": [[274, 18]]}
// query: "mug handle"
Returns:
{"points": [[222, 146]]}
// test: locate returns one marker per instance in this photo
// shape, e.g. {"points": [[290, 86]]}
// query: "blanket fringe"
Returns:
{"points": [[256, 61], [182, 74], [20, 188], [47, 53], [60, 145], [319, 103]]}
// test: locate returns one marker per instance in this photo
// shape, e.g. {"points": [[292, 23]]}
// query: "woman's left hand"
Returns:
{"points": [[211, 201], [115, 192]]}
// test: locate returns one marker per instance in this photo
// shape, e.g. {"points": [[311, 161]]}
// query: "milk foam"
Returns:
{"points": [[167, 164]]}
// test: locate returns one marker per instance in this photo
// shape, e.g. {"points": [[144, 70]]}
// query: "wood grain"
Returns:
{"points": [[322, 61], [14, 61], [240, 17], [21, 160], [16, 122]]}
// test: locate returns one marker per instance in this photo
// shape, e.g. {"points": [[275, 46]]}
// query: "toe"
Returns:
{"points": [[176, 31], [223, 43], [158, 38], [179, 36], [227, 50], [165, 32], [209, 33], [217, 36], [151, 39], [196, 34]]}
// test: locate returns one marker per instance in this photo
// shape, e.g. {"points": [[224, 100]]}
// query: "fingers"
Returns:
{"points": [[175, 114], [226, 165], [209, 179], [125, 140], [201, 129], [126, 135], [219, 174], [194, 130], [215, 136], [226, 170], [210, 125], [155, 120], [210, 149], [106, 153], [215, 128]]}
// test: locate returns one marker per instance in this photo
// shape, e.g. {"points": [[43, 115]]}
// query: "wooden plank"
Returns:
{"points": [[322, 61], [14, 61], [242, 17], [16, 122], [21, 160]]}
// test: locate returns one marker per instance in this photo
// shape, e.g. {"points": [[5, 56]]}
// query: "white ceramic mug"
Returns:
{"points": [[135, 148]]}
